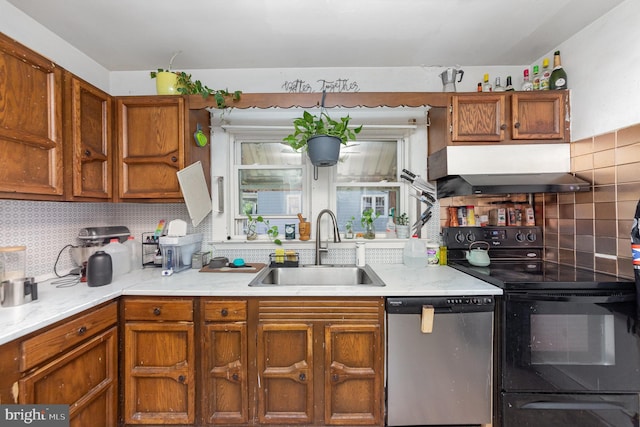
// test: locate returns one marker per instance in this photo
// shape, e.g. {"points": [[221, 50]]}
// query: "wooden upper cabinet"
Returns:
{"points": [[150, 146], [478, 117], [539, 115], [30, 124], [89, 151]]}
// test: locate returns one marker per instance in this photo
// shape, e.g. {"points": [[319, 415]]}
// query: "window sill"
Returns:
{"points": [[309, 244]]}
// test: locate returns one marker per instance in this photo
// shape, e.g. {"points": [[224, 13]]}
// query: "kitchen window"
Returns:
{"points": [[264, 176]]}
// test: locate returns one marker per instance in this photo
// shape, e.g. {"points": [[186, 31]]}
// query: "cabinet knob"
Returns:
{"points": [[224, 312], [516, 125], [302, 377], [335, 377], [503, 126], [82, 330], [156, 311], [235, 377], [181, 379], [174, 159], [87, 153]]}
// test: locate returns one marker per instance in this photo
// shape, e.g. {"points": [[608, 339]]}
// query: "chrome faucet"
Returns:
{"points": [[336, 234]]}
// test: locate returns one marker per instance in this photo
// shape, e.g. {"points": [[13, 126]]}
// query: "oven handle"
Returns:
{"points": [[591, 299], [573, 406]]}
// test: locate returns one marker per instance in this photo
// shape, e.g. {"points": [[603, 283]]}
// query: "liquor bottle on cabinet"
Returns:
{"points": [[536, 78], [498, 87], [486, 86], [527, 85], [546, 74], [509, 87], [558, 78]]}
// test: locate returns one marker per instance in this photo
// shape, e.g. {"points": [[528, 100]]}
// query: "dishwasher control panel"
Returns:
{"points": [[461, 304]]}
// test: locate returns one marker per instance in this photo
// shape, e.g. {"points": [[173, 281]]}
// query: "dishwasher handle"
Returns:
{"points": [[441, 305]]}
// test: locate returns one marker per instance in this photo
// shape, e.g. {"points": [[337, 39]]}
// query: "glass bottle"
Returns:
{"points": [[558, 78], [536, 78], [509, 87], [546, 74], [486, 86], [526, 84], [498, 87]]}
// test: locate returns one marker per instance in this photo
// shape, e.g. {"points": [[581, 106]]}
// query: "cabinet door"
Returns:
{"points": [[225, 373], [539, 115], [89, 166], [150, 133], [478, 117], [285, 370], [85, 378], [159, 373], [353, 374], [30, 124]]}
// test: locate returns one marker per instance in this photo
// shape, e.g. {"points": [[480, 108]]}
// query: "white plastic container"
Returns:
{"points": [[360, 254], [177, 251], [415, 254], [135, 252], [120, 258]]}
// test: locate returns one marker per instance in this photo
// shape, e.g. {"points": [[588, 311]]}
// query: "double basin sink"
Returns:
{"points": [[318, 275]]}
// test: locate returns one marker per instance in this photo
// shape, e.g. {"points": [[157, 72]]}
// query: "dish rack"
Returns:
{"points": [[282, 259]]}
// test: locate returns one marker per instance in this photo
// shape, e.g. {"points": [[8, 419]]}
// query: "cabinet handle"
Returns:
{"points": [[516, 125], [503, 126], [156, 311], [302, 377], [174, 159], [82, 330], [235, 377], [181, 379], [335, 377], [224, 312], [87, 153]]}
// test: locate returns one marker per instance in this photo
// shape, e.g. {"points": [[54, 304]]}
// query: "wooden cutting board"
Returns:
{"points": [[252, 267]]}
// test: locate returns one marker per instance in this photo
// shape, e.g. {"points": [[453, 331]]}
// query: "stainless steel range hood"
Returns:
{"points": [[465, 185], [503, 169]]}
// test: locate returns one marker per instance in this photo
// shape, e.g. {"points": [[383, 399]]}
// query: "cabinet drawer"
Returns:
{"points": [[57, 340], [225, 311], [163, 309]]}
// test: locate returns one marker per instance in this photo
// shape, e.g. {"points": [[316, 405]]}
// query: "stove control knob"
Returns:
{"points": [[471, 237], [459, 237], [520, 236], [531, 236]]}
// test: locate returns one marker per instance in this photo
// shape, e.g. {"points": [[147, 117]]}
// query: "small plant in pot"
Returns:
{"points": [[348, 233], [402, 226], [272, 231], [367, 219], [321, 136]]}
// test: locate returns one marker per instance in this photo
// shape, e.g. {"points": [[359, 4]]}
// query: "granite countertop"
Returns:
{"points": [[57, 303]]}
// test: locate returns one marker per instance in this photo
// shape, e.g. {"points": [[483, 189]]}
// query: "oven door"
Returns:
{"points": [[584, 410], [582, 341]]}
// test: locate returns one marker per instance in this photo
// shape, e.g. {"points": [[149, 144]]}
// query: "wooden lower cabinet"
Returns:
{"points": [[159, 361], [320, 361], [224, 362], [85, 378]]}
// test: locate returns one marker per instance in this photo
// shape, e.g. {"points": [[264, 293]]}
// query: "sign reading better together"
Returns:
{"points": [[322, 85]]}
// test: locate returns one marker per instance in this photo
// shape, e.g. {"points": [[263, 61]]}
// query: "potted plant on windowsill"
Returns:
{"points": [[402, 226], [368, 216], [321, 136], [272, 231]]}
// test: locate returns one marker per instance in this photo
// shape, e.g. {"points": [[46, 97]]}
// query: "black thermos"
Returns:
{"points": [[99, 269]]}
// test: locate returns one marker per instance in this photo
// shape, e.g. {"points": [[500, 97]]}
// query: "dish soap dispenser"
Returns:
{"points": [[390, 232]]}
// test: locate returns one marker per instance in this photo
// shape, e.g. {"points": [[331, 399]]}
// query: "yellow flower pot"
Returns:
{"points": [[167, 83]]}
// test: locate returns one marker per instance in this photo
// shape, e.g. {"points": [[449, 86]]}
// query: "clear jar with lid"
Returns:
{"points": [[13, 262]]}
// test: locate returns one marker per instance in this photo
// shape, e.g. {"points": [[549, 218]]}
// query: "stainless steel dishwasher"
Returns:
{"points": [[439, 360]]}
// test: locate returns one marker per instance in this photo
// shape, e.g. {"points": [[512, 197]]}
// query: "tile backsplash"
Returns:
{"points": [[47, 227]]}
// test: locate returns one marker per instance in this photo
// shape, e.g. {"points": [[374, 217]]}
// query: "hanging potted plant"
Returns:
{"points": [[368, 216], [321, 136]]}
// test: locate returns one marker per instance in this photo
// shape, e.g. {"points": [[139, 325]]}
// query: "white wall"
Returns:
{"points": [[603, 67], [22, 28]]}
